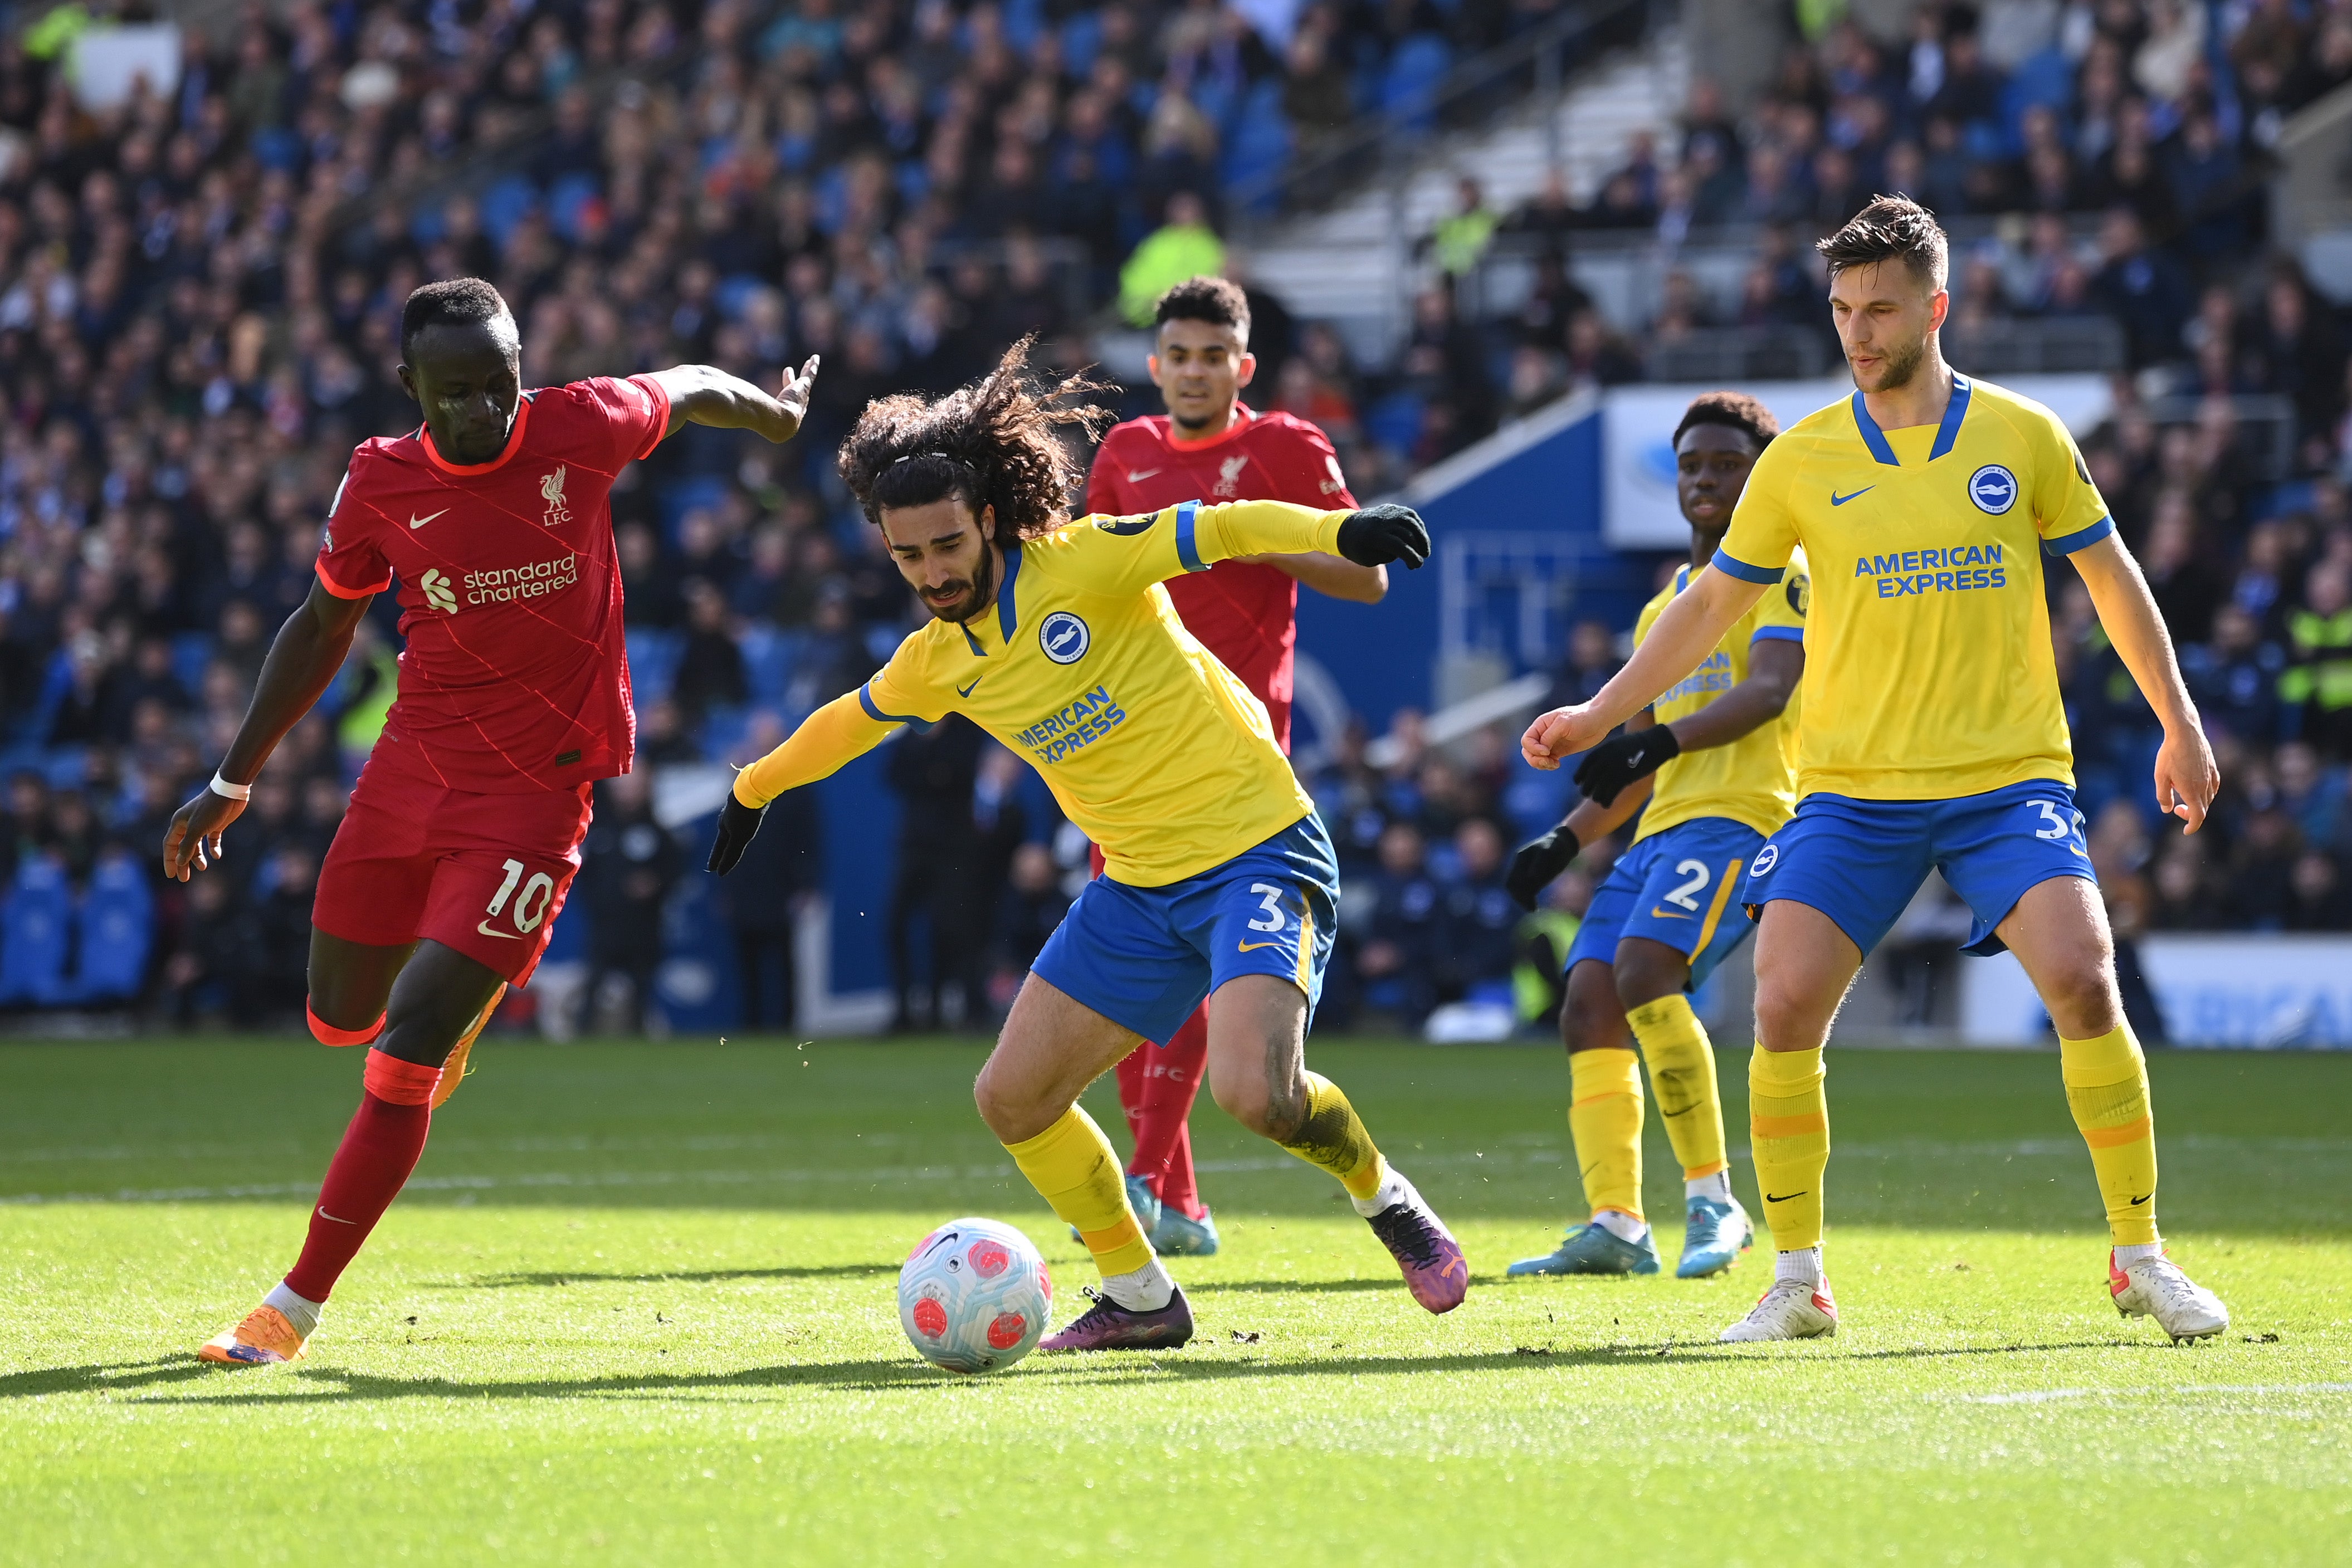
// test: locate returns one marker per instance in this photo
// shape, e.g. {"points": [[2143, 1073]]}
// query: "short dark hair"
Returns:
{"points": [[1736, 410], [1888, 228], [451, 302], [1216, 300]]}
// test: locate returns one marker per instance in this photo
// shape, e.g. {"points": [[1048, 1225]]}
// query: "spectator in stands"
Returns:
{"points": [[2318, 684], [1398, 957], [1478, 923], [1183, 246], [934, 770], [1031, 905], [628, 865]]}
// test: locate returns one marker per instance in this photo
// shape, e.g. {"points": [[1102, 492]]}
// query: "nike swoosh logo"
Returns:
{"points": [[1657, 913], [485, 929], [967, 691], [417, 522], [1254, 946], [1138, 476], [336, 1218], [2143, 1198], [1838, 500], [1785, 1196]]}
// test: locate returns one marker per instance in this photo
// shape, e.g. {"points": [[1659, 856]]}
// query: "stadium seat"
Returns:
{"points": [[33, 928], [1081, 41], [1394, 422], [2045, 77], [116, 923], [653, 655], [191, 652], [1408, 88], [567, 200], [769, 656], [1258, 146], [506, 204]]}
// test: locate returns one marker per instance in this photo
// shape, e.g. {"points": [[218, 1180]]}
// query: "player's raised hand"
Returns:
{"points": [[1614, 765], [192, 841], [736, 824], [2186, 776], [1563, 732], [1379, 535], [796, 394]]}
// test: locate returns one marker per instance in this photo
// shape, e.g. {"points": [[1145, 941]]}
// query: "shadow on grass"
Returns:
{"points": [[668, 1276], [269, 1386]]}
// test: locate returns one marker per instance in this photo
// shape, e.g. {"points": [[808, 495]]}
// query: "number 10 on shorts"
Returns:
{"points": [[528, 910]]}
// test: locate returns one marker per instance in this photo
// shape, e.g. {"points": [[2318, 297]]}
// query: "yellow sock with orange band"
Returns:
{"points": [[1682, 1073], [1604, 1121], [1072, 1164], [1789, 1130], [2107, 1088]]}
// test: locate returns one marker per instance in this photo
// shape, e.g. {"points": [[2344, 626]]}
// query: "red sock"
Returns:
{"points": [[1157, 1085], [379, 1149]]}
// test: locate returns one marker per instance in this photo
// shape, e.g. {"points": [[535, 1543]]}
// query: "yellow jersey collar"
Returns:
{"points": [[1948, 433]]}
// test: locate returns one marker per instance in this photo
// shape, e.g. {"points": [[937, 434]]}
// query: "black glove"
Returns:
{"points": [[1612, 765], [1379, 535], [1538, 863], [737, 823]]}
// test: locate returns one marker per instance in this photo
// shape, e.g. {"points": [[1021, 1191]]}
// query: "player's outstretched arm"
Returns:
{"points": [[1683, 634], [1538, 862], [2186, 777], [827, 740], [704, 395], [1333, 576], [305, 655]]}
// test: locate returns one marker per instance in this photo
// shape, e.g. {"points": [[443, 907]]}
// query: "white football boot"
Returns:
{"points": [[2155, 1288], [1791, 1309]]}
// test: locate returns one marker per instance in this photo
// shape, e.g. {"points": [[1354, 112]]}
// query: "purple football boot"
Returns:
{"points": [[1107, 1326], [1435, 1269]]}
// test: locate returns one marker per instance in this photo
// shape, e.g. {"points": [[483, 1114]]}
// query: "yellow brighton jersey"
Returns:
{"points": [[1153, 747], [1928, 670], [1754, 779]]}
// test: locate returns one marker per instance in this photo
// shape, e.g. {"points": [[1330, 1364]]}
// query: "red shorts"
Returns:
{"points": [[485, 875]]}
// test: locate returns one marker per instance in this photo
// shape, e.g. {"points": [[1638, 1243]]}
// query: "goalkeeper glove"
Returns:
{"points": [[1538, 863], [1379, 535], [1612, 765], [737, 823]]}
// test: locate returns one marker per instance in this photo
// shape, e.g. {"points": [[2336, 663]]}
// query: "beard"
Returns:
{"points": [[974, 597], [1901, 365]]}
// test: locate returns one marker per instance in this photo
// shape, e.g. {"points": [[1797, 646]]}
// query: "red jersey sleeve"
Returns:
{"points": [[350, 563], [1311, 470], [1105, 497], [637, 412]]}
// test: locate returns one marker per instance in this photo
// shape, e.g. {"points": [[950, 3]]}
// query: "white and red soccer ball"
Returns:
{"points": [[973, 1295]]}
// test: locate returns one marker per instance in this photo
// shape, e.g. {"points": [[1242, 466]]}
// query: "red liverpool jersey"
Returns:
{"points": [[1243, 612], [516, 675]]}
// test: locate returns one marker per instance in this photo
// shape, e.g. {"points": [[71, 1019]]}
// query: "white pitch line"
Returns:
{"points": [[2049, 1396]]}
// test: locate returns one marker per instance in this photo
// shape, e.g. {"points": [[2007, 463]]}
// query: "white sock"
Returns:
{"points": [[2127, 1256], [1393, 1189], [302, 1314], [1716, 1187], [1804, 1265], [1145, 1290], [1624, 1226]]}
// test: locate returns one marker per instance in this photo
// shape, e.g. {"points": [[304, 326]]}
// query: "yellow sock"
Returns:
{"points": [[1789, 1130], [2107, 1088], [1333, 1139], [1071, 1163], [1605, 1119], [1682, 1072]]}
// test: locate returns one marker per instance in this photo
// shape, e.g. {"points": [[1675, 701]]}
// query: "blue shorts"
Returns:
{"points": [[1860, 861], [1144, 956], [1673, 887]]}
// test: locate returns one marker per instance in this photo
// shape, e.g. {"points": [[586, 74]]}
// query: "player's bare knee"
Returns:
{"points": [[2082, 997], [1645, 971], [1589, 1014], [1788, 1019]]}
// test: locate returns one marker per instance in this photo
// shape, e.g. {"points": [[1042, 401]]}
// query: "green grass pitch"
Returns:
{"points": [[637, 1307]]}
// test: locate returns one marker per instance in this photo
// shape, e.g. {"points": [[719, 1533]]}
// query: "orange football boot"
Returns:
{"points": [[453, 1072], [264, 1337]]}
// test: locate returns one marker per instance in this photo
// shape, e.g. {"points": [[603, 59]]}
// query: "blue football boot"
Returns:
{"points": [[1593, 1250], [1146, 1203], [1717, 1231], [1178, 1235]]}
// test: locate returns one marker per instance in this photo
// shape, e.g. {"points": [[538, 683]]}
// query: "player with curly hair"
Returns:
{"points": [[1057, 637], [1711, 765]]}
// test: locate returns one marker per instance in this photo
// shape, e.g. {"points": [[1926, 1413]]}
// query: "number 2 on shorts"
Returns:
{"points": [[1686, 893], [540, 887]]}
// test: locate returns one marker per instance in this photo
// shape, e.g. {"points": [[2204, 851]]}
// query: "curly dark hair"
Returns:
{"points": [[1216, 300], [1891, 228], [995, 442], [1736, 410]]}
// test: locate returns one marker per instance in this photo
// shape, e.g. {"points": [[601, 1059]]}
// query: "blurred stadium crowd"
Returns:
{"points": [[199, 292]]}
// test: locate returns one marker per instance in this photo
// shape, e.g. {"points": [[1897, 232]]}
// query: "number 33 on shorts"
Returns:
{"points": [[529, 907]]}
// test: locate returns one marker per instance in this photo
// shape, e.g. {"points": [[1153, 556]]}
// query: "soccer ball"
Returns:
{"points": [[972, 1296]]}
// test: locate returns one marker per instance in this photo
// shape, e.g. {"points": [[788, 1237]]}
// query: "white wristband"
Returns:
{"points": [[234, 791]]}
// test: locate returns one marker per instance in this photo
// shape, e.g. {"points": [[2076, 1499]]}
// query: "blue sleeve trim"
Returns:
{"points": [[2069, 543], [1730, 566], [1777, 634], [866, 701], [1188, 551]]}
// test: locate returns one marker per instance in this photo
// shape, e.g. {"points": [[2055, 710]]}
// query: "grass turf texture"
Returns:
{"points": [[638, 1307]]}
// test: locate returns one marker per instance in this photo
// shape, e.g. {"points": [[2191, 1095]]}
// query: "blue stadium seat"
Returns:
{"points": [[2045, 77], [191, 652], [1258, 145], [1081, 41], [1407, 87], [567, 199], [723, 730], [1394, 422], [686, 494], [653, 655], [505, 204], [769, 656], [1025, 21], [116, 921], [34, 919]]}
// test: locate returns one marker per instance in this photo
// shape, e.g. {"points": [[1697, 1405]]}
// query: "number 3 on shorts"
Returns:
{"points": [[2059, 826], [528, 910], [1271, 897]]}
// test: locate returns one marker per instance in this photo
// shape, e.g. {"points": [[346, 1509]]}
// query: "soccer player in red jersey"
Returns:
{"points": [[1211, 446], [445, 877]]}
